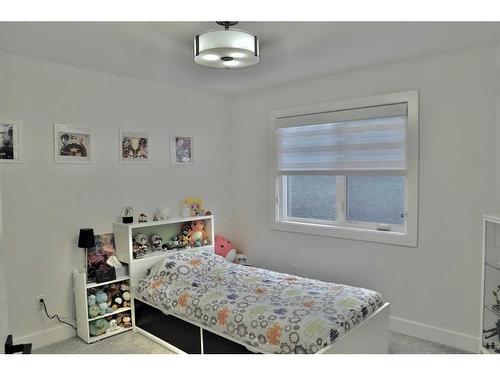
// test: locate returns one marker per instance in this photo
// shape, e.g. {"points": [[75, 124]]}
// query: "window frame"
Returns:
{"points": [[406, 234]]}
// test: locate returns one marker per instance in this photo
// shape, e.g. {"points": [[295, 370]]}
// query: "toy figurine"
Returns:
{"points": [[185, 232], [195, 205], [143, 218]]}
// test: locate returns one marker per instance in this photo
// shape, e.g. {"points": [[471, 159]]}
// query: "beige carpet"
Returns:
{"points": [[135, 343]]}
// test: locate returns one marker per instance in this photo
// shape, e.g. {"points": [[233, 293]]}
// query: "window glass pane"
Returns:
{"points": [[376, 199], [311, 197]]}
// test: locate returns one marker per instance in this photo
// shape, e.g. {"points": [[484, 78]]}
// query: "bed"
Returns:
{"points": [[259, 310]]}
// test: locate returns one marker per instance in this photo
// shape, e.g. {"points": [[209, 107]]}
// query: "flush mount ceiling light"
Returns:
{"points": [[228, 49]]}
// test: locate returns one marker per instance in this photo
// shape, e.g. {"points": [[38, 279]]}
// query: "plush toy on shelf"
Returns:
{"points": [[93, 308], [113, 325], [156, 242], [140, 246], [224, 248], [198, 235], [185, 231], [98, 327], [126, 322], [101, 300]]}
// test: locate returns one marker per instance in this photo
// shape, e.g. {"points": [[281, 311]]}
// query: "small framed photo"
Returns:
{"points": [[134, 147], [72, 144], [9, 142], [181, 150]]}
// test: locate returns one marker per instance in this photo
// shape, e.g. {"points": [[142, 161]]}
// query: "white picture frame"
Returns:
{"points": [[72, 144], [10, 142], [181, 149], [134, 147]]}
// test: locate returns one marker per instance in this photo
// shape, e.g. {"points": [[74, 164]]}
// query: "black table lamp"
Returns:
{"points": [[86, 241]]}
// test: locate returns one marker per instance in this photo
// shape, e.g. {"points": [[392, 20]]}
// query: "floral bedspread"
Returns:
{"points": [[271, 311]]}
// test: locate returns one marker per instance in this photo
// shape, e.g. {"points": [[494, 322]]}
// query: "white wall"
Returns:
{"points": [[4, 311], [433, 289], [45, 204]]}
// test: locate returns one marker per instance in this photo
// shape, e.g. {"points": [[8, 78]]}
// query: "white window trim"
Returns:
{"points": [[355, 231]]}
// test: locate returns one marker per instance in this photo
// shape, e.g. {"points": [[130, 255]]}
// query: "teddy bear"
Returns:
{"points": [[224, 248], [101, 300], [93, 308], [198, 234]]}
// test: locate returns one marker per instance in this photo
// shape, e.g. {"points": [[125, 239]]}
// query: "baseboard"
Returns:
{"points": [[407, 327], [435, 334], [46, 337]]}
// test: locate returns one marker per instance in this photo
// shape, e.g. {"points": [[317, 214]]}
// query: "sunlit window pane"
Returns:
{"points": [[376, 199], [311, 197]]}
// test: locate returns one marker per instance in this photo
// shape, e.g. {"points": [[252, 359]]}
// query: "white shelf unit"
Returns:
{"points": [[490, 280], [125, 233], [82, 318]]}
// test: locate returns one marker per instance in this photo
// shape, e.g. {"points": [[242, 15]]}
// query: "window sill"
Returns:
{"points": [[369, 235]]}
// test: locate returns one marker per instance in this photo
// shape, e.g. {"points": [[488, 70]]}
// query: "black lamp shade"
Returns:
{"points": [[86, 239]]}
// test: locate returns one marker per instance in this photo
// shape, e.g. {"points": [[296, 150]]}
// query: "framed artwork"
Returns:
{"points": [[134, 147], [101, 256], [9, 142], [72, 144], [181, 150]]}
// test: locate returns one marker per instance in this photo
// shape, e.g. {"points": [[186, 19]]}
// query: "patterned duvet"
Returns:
{"points": [[271, 311]]}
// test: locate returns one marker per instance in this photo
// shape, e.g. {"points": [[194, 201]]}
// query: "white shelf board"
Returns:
{"points": [[117, 311], [108, 334], [173, 220], [117, 280]]}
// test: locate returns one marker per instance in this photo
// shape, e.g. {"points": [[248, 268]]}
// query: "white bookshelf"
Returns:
{"points": [[81, 289], [124, 239], [490, 281]]}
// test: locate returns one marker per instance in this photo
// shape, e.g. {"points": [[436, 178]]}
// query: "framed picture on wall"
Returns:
{"points": [[134, 147], [9, 142], [72, 144], [181, 150]]}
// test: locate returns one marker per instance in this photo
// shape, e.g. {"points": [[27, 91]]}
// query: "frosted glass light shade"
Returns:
{"points": [[229, 49]]}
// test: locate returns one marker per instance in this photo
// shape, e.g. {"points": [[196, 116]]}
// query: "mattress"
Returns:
{"points": [[271, 311]]}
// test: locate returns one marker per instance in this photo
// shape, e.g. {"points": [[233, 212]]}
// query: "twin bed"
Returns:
{"points": [[196, 302]]}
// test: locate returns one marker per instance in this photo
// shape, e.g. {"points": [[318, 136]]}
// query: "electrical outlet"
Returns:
{"points": [[39, 306]]}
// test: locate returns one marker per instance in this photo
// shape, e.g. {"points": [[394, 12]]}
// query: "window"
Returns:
{"points": [[349, 169]]}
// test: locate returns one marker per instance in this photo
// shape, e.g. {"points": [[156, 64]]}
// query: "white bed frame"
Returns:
{"points": [[371, 336]]}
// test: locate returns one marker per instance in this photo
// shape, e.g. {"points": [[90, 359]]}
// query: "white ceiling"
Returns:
{"points": [[162, 51]]}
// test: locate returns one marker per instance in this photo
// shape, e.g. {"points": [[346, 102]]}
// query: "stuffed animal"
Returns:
{"points": [[156, 242], [101, 300], [98, 327], [113, 325], [198, 234], [93, 308], [140, 246], [126, 299], [224, 248], [126, 322], [185, 232], [241, 259]]}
